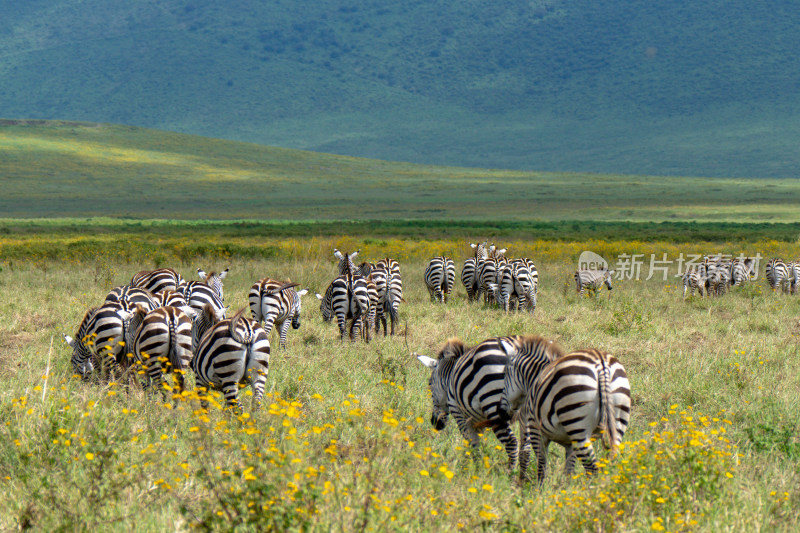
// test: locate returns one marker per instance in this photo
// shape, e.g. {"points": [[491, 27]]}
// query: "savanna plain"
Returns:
{"points": [[343, 440]]}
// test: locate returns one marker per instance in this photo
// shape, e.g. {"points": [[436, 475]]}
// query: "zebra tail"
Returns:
{"points": [[608, 419], [232, 327]]}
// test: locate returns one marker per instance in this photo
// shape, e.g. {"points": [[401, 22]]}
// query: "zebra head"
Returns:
{"points": [[214, 280], [346, 261], [325, 304], [440, 378], [81, 357], [297, 308], [607, 279], [527, 356]]}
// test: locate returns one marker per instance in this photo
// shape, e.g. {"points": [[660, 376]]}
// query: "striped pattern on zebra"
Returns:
{"points": [[203, 320], [742, 269], [347, 298], [440, 278], [198, 294], [158, 280], [794, 276], [390, 291], [365, 269], [591, 280], [346, 261], [694, 279], [234, 351], [469, 272], [214, 280], [778, 275], [129, 296], [163, 345], [276, 302], [100, 341], [567, 401], [489, 272], [372, 292], [174, 299], [718, 278], [467, 384], [516, 282]]}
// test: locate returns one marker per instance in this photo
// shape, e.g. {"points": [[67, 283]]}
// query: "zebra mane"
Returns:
{"points": [[87, 315], [454, 348]]}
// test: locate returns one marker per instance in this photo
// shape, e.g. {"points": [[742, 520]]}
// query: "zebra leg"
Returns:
{"points": [[505, 434], [526, 433], [355, 329], [258, 388], [284, 330], [585, 451], [468, 432], [540, 445], [231, 392], [341, 320], [569, 459]]}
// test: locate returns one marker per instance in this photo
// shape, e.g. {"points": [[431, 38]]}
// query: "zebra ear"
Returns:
{"points": [[337, 254], [427, 361], [318, 295], [473, 246], [223, 273], [201, 273], [69, 340], [354, 254], [508, 347], [303, 292]]}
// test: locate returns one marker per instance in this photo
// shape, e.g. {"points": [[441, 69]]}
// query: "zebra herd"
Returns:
{"points": [[716, 275], [555, 397]]}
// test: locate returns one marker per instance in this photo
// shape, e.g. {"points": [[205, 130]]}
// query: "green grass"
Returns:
{"points": [[54, 169], [700, 371]]}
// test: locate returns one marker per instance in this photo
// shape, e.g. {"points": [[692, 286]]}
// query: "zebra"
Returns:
{"points": [[214, 281], [203, 320], [365, 269], [372, 292], [516, 281], [233, 351], [100, 340], [440, 277], [347, 298], [742, 269], [566, 401], [794, 276], [346, 261], [694, 279], [276, 302], [778, 275], [718, 277], [198, 294], [174, 299], [158, 280], [163, 343], [467, 383], [390, 291], [129, 296], [592, 280], [490, 271], [469, 272]]}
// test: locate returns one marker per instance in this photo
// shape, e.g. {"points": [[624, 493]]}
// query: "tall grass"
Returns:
{"points": [[343, 441]]}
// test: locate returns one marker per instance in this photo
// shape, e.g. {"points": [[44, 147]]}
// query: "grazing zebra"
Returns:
{"points": [[346, 262], [592, 280], [347, 298], [100, 340], [163, 344], [233, 351], [694, 279], [469, 273], [275, 302], [390, 291], [440, 277], [129, 296], [467, 383], [567, 401], [742, 269], [158, 280], [214, 281], [778, 275], [516, 282]]}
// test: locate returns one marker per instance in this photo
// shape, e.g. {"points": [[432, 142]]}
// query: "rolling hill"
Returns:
{"points": [[637, 87]]}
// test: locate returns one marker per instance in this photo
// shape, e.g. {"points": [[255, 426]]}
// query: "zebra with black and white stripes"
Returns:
{"points": [[777, 273], [592, 280], [100, 341], [163, 345], [742, 269], [469, 272], [276, 302], [370, 326], [440, 277], [516, 282], [694, 279], [567, 401], [233, 352], [198, 294], [386, 276], [129, 296], [467, 384], [158, 280], [214, 280], [346, 263], [347, 298]]}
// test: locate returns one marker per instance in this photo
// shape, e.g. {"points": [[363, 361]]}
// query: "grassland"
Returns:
{"points": [[79, 170], [343, 441]]}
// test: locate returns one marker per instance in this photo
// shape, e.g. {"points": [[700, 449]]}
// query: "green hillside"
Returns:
{"points": [[62, 169], [645, 87]]}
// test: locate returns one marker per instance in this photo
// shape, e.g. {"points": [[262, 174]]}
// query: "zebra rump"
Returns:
{"points": [[163, 344], [276, 302], [440, 277]]}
